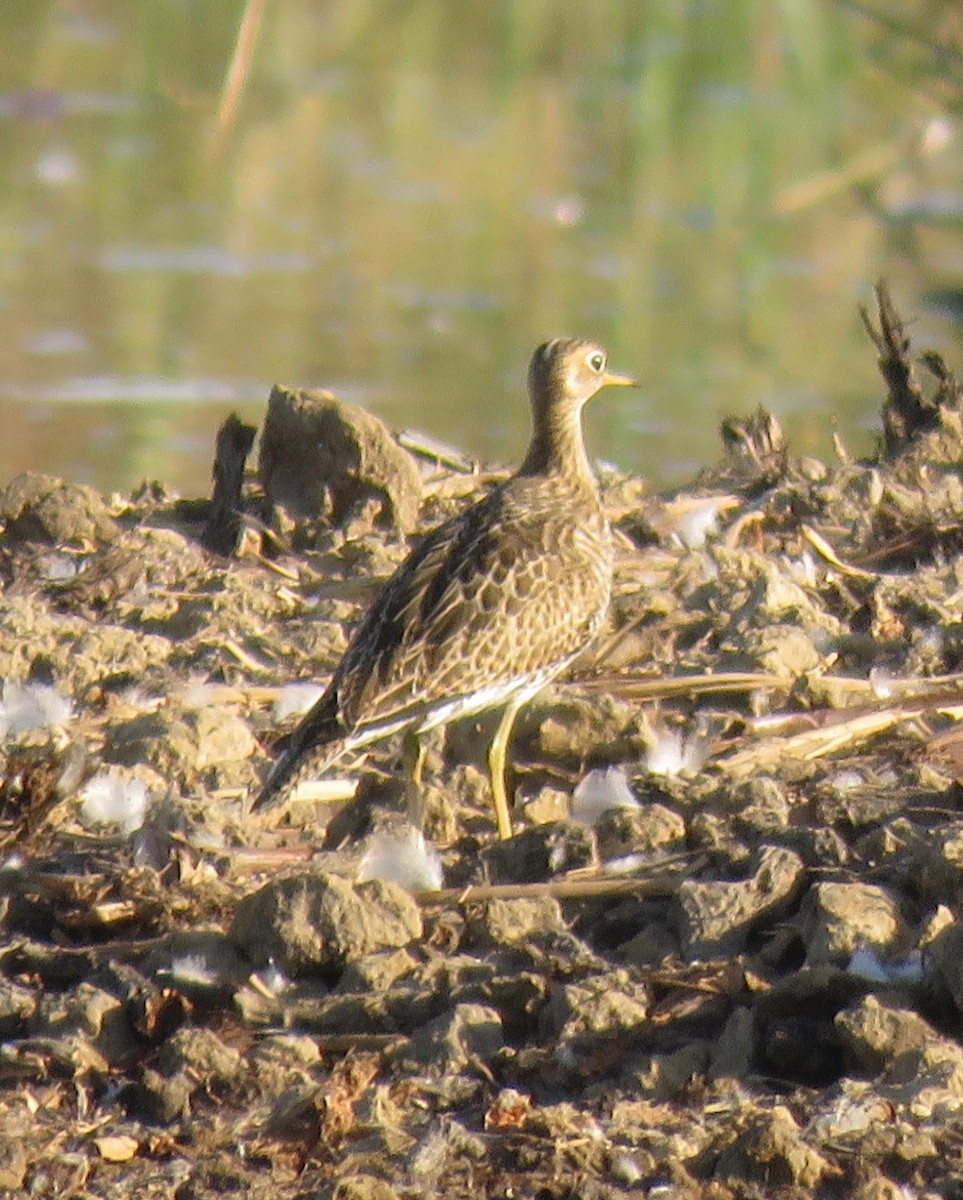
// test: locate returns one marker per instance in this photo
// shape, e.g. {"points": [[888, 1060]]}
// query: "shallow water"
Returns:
{"points": [[408, 198]]}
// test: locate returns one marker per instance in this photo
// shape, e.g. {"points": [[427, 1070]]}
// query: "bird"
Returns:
{"points": [[488, 608]]}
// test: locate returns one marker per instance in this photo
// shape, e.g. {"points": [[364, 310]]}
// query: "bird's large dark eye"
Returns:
{"points": [[596, 361]]}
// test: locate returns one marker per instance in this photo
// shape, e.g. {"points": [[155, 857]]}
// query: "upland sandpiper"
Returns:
{"points": [[488, 608]]}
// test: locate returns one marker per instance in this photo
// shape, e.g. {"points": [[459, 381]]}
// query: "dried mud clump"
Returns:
{"points": [[720, 957], [321, 457]]}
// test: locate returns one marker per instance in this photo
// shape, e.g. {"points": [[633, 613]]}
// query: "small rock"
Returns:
{"points": [[222, 735], [457, 973], [447, 1143], [733, 1050], [287, 1049], [772, 1152], [85, 651], [716, 918], [309, 922], [786, 651], [875, 1186], [570, 729], [938, 857], [944, 956], [865, 806], [161, 1098], [539, 853], [501, 922], [179, 744], [639, 831], [283, 1061], [91, 1012], [43, 508], [376, 972], [926, 1080], [773, 595], [715, 835], [874, 1033], [13, 1163], [164, 739], [17, 1006], [469, 1032], [399, 1010], [654, 943], [200, 1053], [548, 804], [940, 918], [216, 1174], [820, 847], [667, 1077], [363, 1187], [838, 918], [763, 805], [602, 1008], [322, 457]]}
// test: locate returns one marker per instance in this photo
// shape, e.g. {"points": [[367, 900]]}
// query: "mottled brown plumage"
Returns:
{"points": [[490, 606]]}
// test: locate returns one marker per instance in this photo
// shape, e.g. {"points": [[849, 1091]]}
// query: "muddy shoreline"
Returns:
{"points": [[720, 956]]}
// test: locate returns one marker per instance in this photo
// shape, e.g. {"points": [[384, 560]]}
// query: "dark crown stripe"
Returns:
{"points": [[547, 350]]}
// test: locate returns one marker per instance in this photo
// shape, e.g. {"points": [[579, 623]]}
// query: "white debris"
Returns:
{"points": [[294, 699], [59, 568], [625, 864], [199, 693], [932, 640], [802, 570], [624, 1167], [402, 857], [700, 519], [846, 779], [849, 1114], [597, 792], [195, 969], [136, 698], [273, 978], [866, 964], [881, 681], [671, 753], [115, 799], [25, 706]]}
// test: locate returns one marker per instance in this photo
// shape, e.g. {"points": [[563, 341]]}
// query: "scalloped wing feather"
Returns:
{"points": [[430, 637]]}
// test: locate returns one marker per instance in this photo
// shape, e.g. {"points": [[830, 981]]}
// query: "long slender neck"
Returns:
{"points": [[558, 448]]}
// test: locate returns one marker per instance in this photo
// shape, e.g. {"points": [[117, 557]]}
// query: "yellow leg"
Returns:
{"points": [[414, 761], [496, 768]]}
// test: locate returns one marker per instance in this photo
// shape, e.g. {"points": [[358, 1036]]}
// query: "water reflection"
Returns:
{"points": [[412, 195]]}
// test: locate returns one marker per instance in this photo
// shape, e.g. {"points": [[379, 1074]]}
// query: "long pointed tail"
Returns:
{"points": [[315, 744], [291, 770]]}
